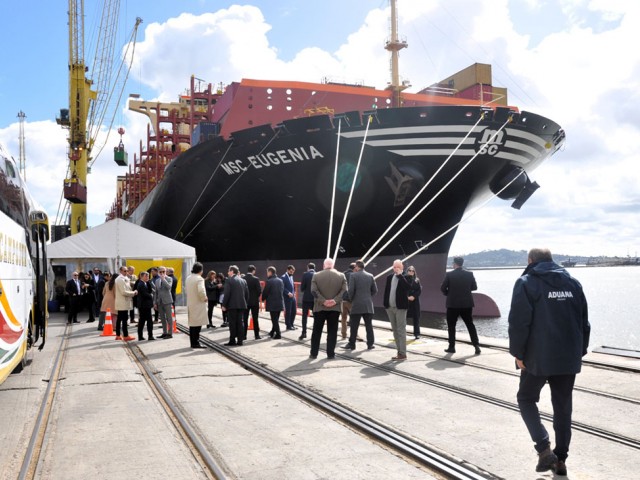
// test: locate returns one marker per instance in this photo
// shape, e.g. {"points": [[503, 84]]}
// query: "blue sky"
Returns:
{"points": [[570, 60]]}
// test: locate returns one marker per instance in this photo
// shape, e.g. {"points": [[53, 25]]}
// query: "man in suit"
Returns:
{"points": [[346, 302], [307, 296], [174, 284], [163, 301], [396, 303], [145, 304], [131, 275], [74, 290], [457, 286], [236, 296], [362, 288], [327, 288], [290, 304], [273, 297], [98, 281], [255, 290]]}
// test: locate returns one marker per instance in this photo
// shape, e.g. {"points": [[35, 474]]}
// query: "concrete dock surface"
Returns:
{"points": [[107, 423]]}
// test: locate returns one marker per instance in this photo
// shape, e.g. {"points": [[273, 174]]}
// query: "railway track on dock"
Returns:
{"points": [[602, 433], [394, 439]]}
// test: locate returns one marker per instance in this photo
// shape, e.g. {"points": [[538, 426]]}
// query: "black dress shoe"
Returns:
{"points": [[239, 344], [371, 347], [271, 333], [198, 346], [331, 357], [478, 351], [230, 344], [450, 350], [277, 336], [209, 326], [349, 346], [141, 338], [258, 337], [168, 336], [302, 337], [152, 338], [76, 321], [313, 356], [91, 320]]}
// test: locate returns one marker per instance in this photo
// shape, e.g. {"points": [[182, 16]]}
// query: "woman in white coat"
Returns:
{"points": [[196, 304]]}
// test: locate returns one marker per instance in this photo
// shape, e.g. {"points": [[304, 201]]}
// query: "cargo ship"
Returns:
{"points": [[262, 172]]}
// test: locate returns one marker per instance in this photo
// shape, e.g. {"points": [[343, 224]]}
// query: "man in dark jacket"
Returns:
{"points": [[273, 297], [548, 335], [396, 303], [362, 288], [307, 297], [236, 296], [457, 286], [145, 304], [290, 305], [255, 290]]}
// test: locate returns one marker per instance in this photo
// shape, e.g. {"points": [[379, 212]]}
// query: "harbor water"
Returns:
{"points": [[613, 295]]}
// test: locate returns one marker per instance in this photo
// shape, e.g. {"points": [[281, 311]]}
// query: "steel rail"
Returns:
{"points": [[196, 446], [32, 455], [399, 441]]}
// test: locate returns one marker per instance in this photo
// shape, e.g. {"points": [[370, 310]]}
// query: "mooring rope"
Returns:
{"points": [[333, 196], [415, 198], [353, 184], [203, 190], [230, 187], [437, 194], [424, 247]]}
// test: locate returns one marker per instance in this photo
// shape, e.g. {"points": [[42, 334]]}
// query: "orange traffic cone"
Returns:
{"points": [[108, 326], [250, 327], [173, 318]]}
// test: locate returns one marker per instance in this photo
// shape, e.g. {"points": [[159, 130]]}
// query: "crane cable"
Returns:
{"points": [[131, 44]]}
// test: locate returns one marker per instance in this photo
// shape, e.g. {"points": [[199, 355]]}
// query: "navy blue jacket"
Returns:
{"points": [[305, 286], [273, 294], [548, 321]]}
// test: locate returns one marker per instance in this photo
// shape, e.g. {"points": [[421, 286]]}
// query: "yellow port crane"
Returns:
{"points": [[87, 106]]}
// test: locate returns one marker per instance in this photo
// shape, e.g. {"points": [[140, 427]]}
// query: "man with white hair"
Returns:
{"points": [[327, 288], [396, 303]]}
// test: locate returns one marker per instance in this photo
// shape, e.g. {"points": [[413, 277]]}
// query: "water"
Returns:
{"points": [[613, 295]]}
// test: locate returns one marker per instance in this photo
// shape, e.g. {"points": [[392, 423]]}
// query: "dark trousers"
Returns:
{"points": [[354, 324], [90, 303], [332, 319], [236, 332], [290, 307], [562, 401], [123, 315], [132, 315], [467, 318], [414, 313], [275, 323], [210, 305], [194, 336], [256, 323], [306, 308], [73, 309], [144, 315]]}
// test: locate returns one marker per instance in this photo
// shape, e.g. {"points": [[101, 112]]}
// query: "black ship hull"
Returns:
{"points": [[265, 195]]}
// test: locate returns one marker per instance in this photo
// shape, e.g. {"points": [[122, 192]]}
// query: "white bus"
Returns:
{"points": [[24, 231]]}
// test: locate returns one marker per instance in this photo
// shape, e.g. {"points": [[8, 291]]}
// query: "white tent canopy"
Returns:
{"points": [[118, 240]]}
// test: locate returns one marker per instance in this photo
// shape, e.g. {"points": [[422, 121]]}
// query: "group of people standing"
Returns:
{"points": [[121, 293]]}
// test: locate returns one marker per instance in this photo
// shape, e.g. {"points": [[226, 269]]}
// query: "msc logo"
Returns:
{"points": [[490, 142]]}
